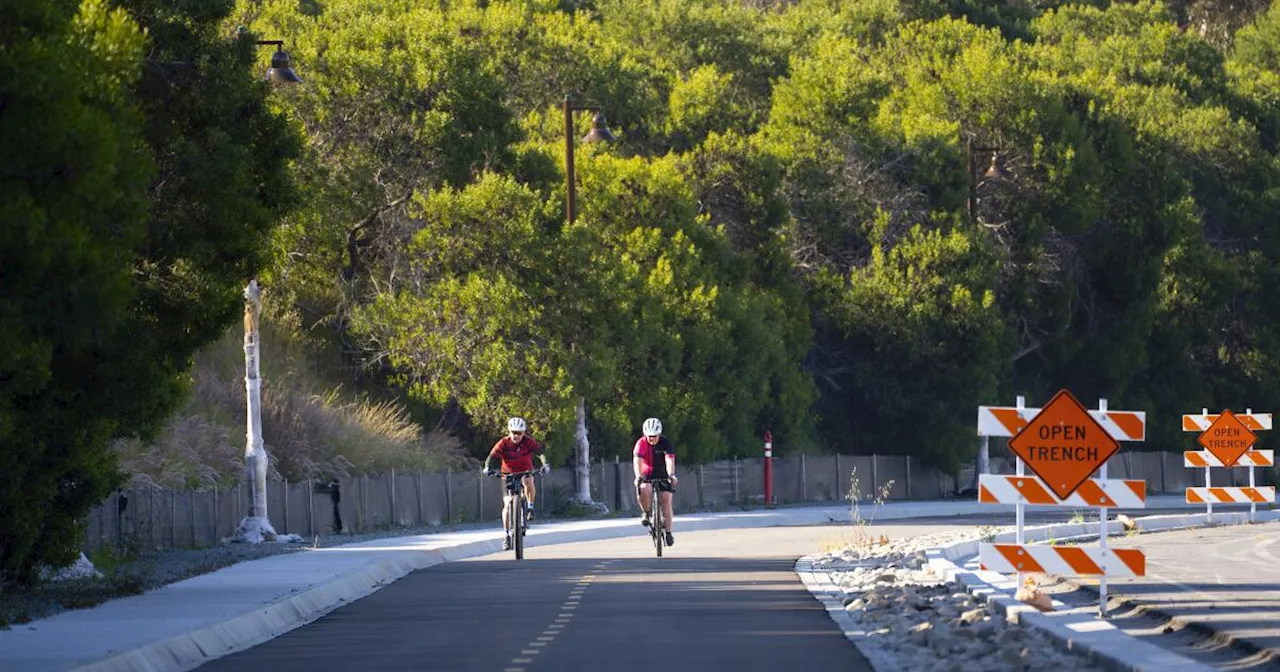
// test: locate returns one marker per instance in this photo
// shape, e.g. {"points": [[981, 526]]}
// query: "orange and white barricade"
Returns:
{"points": [[1199, 422], [1009, 420], [1064, 560], [1122, 494], [1204, 459], [1196, 459], [1250, 495], [1062, 427]]}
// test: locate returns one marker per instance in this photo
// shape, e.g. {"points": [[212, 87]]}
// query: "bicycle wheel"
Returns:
{"points": [[517, 531]]}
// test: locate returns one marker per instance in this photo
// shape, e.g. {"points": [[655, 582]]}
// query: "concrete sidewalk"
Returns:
{"points": [[182, 625]]}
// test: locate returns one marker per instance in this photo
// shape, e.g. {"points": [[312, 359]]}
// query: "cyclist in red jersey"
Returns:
{"points": [[655, 458], [516, 451]]}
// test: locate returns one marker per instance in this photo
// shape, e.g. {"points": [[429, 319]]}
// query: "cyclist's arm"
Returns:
{"points": [[492, 452], [637, 461], [540, 450], [671, 465]]}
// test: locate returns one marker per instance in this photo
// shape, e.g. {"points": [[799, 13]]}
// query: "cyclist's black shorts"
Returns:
{"points": [[663, 485]]}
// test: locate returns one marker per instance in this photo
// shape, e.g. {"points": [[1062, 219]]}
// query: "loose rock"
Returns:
{"points": [[920, 622]]}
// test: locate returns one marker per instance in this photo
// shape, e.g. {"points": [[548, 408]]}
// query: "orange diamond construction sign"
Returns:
{"points": [[1063, 444], [1227, 438]]}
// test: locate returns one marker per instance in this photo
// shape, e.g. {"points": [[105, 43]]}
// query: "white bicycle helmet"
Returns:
{"points": [[652, 427], [516, 425]]}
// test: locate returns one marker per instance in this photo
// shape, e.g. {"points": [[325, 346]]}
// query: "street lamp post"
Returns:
{"points": [[256, 527], [281, 70], [993, 172], [599, 133]]}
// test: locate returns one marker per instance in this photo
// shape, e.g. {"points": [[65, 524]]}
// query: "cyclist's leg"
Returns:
{"points": [[668, 519], [643, 497], [530, 491], [664, 500], [506, 522], [506, 513]]}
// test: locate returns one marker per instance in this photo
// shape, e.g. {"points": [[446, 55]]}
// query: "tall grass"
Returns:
{"points": [[311, 425]]}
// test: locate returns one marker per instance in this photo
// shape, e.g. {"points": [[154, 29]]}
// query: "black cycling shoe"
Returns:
{"points": [[671, 540], [506, 543], [645, 521], [528, 513]]}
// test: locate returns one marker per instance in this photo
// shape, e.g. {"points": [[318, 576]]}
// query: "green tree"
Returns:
{"points": [[74, 210], [142, 194]]}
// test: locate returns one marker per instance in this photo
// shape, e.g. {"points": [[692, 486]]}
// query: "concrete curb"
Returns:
{"points": [[832, 598], [192, 649], [167, 637]]}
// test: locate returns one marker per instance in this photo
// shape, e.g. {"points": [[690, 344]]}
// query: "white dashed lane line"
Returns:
{"points": [[563, 618]]}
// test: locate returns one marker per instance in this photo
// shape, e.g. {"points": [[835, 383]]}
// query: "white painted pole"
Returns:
{"points": [[255, 527], [1020, 509], [1103, 530], [1253, 506], [255, 452], [1208, 483]]}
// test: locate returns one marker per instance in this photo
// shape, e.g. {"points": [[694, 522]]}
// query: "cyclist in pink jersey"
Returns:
{"points": [[654, 463]]}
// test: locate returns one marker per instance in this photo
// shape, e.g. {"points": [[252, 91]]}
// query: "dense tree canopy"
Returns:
{"points": [[846, 222], [795, 230]]}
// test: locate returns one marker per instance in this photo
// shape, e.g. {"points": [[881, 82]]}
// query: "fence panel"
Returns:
{"points": [[821, 482], [718, 483], [857, 468], [891, 474], [163, 519], [751, 480]]}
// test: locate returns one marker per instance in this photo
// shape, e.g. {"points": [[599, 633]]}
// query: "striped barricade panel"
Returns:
{"points": [[1231, 495], [1001, 489], [1063, 560], [1199, 422], [1009, 420], [1252, 458]]}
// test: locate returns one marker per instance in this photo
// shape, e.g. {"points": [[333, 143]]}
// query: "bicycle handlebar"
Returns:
{"points": [[519, 474]]}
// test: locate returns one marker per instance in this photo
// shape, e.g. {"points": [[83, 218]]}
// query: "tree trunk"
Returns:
{"points": [[582, 453], [982, 463], [582, 461], [254, 528]]}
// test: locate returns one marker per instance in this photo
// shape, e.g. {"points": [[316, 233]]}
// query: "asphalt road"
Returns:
{"points": [[725, 599], [1224, 581], [719, 600]]}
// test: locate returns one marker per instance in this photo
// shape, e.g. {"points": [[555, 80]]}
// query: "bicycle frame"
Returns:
{"points": [[657, 524], [514, 501]]}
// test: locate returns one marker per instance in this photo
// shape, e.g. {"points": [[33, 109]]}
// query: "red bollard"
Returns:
{"points": [[768, 467]]}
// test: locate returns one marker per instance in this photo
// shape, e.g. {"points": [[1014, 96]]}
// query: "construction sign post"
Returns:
{"points": [[1228, 439], [1064, 444]]}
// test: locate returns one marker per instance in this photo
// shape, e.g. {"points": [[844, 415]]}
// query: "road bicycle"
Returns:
{"points": [[514, 502], [657, 524]]}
